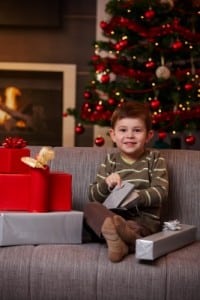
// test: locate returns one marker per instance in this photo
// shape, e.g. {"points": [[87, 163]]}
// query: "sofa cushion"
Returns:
{"points": [[84, 272], [183, 273], [64, 272], [14, 270], [130, 279]]}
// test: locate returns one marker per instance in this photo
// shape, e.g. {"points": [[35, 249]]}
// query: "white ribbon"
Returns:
{"points": [[172, 225]]}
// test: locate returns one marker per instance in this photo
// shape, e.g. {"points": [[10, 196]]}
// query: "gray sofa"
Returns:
{"points": [[73, 272]]}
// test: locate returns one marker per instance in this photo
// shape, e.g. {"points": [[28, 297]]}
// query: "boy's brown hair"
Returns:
{"points": [[133, 109]]}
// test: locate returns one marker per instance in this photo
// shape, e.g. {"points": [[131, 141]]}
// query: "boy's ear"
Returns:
{"points": [[150, 135], [112, 135]]}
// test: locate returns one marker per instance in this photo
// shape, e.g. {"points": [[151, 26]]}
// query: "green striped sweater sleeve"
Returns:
{"points": [[157, 192], [98, 190]]}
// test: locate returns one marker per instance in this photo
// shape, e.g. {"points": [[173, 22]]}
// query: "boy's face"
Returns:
{"points": [[130, 136]]}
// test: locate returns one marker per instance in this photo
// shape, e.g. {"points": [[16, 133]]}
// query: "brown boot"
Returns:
{"points": [[127, 234], [117, 249]]}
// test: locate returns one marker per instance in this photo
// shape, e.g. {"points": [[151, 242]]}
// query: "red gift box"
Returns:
{"points": [[60, 192], [15, 191], [10, 160], [39, 195], [36, 191]]}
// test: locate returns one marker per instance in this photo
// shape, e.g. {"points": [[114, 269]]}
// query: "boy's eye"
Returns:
{"points": [[137, 130]]}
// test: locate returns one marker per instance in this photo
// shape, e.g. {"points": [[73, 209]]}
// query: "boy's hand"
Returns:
{"points": [[112, 180]]}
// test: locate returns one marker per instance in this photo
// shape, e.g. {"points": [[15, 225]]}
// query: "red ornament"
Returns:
{"points": [[87, 95], [162, 135], [131, 72], [188, 87], [86, 106], [150, 64], [95, 116], [111, 101], [155, 103], [149, 14], [106, 115], [103, 25], [121, 45], [65, 114], [100, 67], [99, 141], [99, 107], [79, 129], [178, 45], [95, 58], [123, 21], [105, 78], [190, 140]]}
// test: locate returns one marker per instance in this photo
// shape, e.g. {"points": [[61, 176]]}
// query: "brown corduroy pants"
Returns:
{"points": [[95, 214]]}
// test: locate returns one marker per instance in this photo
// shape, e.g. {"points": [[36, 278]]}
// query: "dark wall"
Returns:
{"points": [[69, 43]]}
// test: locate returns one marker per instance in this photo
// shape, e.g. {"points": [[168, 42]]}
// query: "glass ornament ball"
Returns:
{"points": [[87, 95], [65, 114], [162, 135], [111, 101], [177, 45], [150, 64], [99, 141], [190, 140], [95, 58], [103, 24], [188, 87], [103, 78], [155, 103], [79, 129], [149, 14]]}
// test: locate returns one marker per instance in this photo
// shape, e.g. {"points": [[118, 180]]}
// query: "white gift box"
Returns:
{"points": [[158, 244], [17, 228]]}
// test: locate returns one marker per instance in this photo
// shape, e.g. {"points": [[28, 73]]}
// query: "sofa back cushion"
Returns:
{"points": [[82, 163], [184, 182]]}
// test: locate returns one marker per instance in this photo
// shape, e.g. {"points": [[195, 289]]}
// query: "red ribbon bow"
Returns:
{"points": [[14, 142]]}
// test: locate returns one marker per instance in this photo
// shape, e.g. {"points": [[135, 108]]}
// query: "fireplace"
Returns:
{"points": [[33, 98]]}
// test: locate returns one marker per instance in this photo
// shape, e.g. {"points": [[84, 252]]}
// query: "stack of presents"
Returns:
{"points": [[35, 203]]}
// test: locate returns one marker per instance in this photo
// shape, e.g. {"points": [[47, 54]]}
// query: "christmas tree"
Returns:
{"points": [[150, 54]]}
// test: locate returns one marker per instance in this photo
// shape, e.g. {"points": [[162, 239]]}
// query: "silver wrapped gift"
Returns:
{"points": [[161, 243], [17, 228]]}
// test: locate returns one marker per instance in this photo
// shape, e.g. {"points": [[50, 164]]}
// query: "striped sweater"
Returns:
{"points": [[149, 175]]}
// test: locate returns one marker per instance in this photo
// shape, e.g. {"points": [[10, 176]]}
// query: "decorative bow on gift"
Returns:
{"points": [[14, 143], [172, 225], [41, 160]]}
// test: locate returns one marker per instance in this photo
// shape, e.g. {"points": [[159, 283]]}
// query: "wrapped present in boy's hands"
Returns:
{"points": [[122, 197]]}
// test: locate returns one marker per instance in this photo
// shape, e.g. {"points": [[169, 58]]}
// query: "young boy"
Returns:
{"points": [[132, 162]]}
